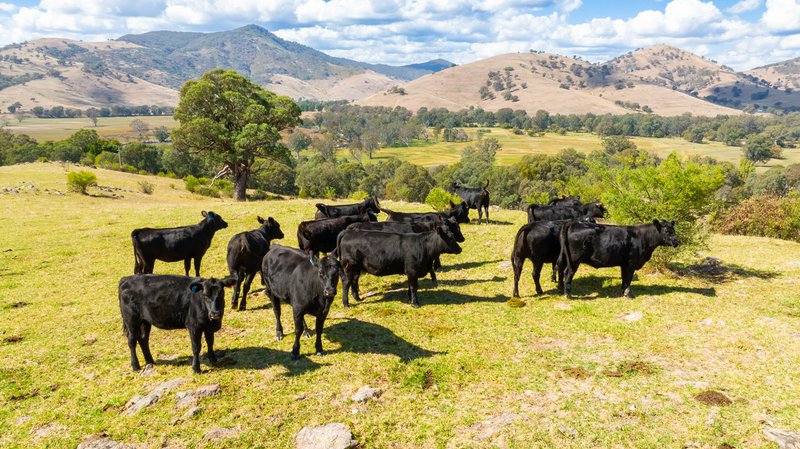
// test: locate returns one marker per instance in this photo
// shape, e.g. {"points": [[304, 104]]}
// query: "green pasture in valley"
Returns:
{"points": [[119, 128], [466, 370]]}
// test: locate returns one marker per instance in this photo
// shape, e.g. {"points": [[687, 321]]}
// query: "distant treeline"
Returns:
{"points": [[114, 111]]}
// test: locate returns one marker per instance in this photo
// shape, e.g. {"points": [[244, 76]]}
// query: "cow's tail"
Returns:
{"points": [[563, 239], [337, 251], [138, 266], [519, 244], [530, 209], [487, 185]]}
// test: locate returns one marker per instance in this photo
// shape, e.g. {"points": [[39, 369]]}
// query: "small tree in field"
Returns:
{"points": [[758, 148], [161, 133], [80, 181], [92, 114], [298, 142], [230, 121], [139, 127]]}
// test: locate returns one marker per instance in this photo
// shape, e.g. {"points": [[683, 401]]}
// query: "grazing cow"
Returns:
{"points": [[566, 201], [384, 253], [173, 244], [245, 251], [460, 212], [307, 283], [171, 302], [369, 204], [413, 227], [538, 212], [539, 242], [599, 246], [477, 198], [317, 236]]}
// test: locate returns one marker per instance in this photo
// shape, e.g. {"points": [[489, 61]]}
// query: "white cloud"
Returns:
{"points": [[744, 6], [7, 7], [782, 15]]}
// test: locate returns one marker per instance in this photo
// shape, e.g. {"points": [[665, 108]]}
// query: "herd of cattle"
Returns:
{"points": [[563, 233]]}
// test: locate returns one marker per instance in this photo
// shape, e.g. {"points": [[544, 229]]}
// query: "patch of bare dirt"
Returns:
{"points": [[713, 397]]}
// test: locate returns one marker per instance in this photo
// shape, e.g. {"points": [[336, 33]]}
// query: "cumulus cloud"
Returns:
{"points": [[406, 31]]}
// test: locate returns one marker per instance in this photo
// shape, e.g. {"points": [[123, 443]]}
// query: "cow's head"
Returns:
{"points": [[666, 229], [460, 212], [448, 237], [452, 224], [216, 221], [453, 187], [596, 209], [211, 294], [328, 268], [371, 204], [364, 210], [270, 228]]}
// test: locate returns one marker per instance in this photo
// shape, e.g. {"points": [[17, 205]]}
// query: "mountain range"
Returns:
{"points": [[149, 68]]}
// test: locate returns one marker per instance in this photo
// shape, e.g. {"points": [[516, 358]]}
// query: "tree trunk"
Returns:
{"points": [[240, 184]]}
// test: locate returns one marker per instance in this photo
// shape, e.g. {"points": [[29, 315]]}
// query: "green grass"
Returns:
{"points": [[570, 374], [43, 129], [517, 146]]}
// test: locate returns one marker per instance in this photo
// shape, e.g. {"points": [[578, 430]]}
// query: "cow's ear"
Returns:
{"points": [[260, 220], [452, 204], [229, 281], [204, 213], [271, 220], [672, 223], [321, 207], [658, 224], [196, 286]]}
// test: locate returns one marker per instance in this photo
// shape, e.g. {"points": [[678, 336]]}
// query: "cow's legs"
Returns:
{"points": [[187, 264], [195, 335], [276, 308], [553, 275], [196, 266], [537, 273], [299, 327], [235, 299], [480, 214], [245, 289], [320, 323], [210, 343], [486, 210], [437, 263], [627, 278], [354, 285], [568, 275], [412, 289], [517, 263], [144, 343], [345, 287], [148, 265], [433, 277], [130, 331]]}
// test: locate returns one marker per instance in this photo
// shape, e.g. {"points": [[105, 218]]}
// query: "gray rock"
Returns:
{"points": [[192, 412], [366, 393], [490, 427], [221, 433], [783, 438], [330, 436], [189, 398], [103, 442], [148, 370], [632, 317], [138, 403]]}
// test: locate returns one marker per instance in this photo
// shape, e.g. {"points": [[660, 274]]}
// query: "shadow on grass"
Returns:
{"points": [[464, 266], [719, 272], [254, 358], [427, 284], [592, 283], [474, 221], [362, 337], [435, 296]]}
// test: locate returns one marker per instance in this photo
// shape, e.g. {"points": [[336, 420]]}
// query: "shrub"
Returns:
{"points": [[80, 181], [329, 193], [208, 191], [146, 187], [440, 199], [763, 216], [224, 186], [192, 183], [359, 195]]}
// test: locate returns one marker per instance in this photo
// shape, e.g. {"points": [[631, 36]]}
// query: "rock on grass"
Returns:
{"points": [[330, 436], [366, 393], [783, 438]]}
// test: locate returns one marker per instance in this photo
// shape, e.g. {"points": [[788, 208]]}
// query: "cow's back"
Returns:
{"points": [[162, 300]]}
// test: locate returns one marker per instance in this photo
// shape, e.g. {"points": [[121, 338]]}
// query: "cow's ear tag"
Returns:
{"points": [[195, 288], [312, 261]]}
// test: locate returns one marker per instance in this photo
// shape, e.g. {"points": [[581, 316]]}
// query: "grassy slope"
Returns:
{"points": [[59, 129], [463, 358]]}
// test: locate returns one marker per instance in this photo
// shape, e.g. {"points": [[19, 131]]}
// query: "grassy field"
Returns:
{"points": [[43, 129], [466, 370]]}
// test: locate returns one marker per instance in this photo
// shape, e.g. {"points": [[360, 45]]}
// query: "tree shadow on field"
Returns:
{"points": [[591, 287], [362, 337], [436, 296], [254, 358], [464, 266], [718, 272], [427, 284]]}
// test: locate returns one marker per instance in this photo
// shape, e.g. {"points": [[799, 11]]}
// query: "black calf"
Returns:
{"points": [[245, 252], [476, 198]]}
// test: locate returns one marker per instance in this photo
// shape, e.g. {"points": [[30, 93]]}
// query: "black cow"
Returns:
{"points": [[171, 302], [384, 253], [413, 227], [317, 236], [307, 283], [627, 247], [173, 244], [538, 212], [245, 252], [369, 204], [566, 201], [476, 198], [460, 212], [539, 242]]}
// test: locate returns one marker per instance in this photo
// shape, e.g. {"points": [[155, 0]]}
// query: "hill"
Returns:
{"points": [[668, 80], [149, 68], [785, 75], [466, 370]]}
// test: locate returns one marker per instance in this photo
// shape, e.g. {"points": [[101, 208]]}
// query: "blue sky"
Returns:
{"points": [[740, 33]]}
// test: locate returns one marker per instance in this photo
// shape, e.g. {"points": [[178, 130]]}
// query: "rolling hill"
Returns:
{"points": [[666, 80], [149, 68], [784, 74]]}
